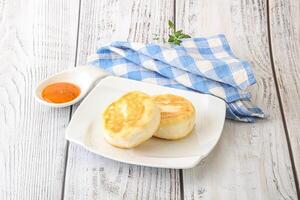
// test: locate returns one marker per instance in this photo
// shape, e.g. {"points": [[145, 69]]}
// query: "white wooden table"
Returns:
{"points": [[251, 161]]}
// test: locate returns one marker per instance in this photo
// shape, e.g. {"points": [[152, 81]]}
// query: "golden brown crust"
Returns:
{"points": [[125, 112], [130, 120], [174, 108]]}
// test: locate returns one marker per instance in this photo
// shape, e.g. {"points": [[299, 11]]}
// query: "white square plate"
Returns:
{"points": [[86, 129]]}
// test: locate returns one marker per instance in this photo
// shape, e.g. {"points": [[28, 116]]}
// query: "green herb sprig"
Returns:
{"points": [[175, 37]]}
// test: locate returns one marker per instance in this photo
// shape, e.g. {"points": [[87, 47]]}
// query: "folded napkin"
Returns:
{"points": [[205, 65]]}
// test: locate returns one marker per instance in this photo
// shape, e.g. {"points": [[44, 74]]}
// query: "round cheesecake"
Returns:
{"points": [[177, 116], [131, 120]]}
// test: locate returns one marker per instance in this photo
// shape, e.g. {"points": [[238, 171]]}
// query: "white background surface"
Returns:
{"points": [[41, 37]]}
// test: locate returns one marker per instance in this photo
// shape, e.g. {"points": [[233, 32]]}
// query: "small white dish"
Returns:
{"points": [[85, 127], [82, 76]]}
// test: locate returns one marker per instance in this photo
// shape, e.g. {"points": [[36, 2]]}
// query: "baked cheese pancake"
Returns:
{"points": [[131, 120], [177, 116]]}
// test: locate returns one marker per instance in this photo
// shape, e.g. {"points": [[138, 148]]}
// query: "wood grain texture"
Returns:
{"points": [[37, 39], [90, 176], [285, 38], [251, 161]]}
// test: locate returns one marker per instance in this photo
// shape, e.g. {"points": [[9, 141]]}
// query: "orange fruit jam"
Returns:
{"points": [[61, 92]]}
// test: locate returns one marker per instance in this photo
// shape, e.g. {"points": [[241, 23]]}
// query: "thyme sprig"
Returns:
{"points": [[175, 37]]}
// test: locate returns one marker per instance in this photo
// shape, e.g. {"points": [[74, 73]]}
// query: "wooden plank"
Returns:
{"points": [[251, 161], [90, 176], [38, 38], [285, 37]]}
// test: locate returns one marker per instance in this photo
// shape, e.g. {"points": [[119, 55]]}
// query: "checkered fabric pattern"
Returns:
{"points": [[205, 65]]}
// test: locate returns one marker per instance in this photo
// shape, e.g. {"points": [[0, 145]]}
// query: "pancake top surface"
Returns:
{"points": [[174, 108], [128, 111]]}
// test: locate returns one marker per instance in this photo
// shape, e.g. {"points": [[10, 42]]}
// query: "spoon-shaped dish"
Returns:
{"points": [[82, 76]]}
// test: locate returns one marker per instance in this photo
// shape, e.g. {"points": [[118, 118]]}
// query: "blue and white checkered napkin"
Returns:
{"points": [[205, 65]]}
